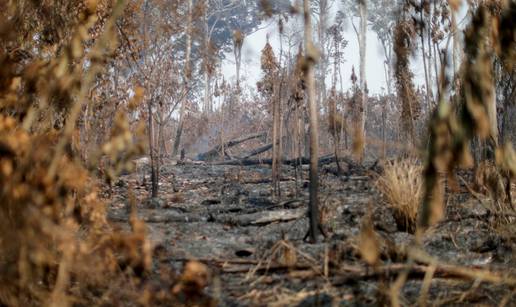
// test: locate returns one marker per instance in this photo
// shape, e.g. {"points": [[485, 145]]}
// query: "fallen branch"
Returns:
{"points": [[353, 273], [168, 217], [297, 161], [267, 268], [265, 180], [262, 218], [472, 273], [257, 151], [215, 151], [216, 261]]}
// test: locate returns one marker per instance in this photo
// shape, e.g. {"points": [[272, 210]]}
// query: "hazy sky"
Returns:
{"points": [[375, 75]]}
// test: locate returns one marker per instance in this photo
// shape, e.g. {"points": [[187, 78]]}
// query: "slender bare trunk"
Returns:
{"points": [[207, 93], [152, 149], [427, 82], [429, 62], [222, 138], [275, 141], [207, 77], [310, 58], [154, 164], [187, 76], [323, 62], [457, 52], [363, 84]]}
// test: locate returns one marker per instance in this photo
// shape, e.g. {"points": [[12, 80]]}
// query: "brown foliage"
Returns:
{"points": [[450, 135], [404, 34], [269, 66], [56, 244]]}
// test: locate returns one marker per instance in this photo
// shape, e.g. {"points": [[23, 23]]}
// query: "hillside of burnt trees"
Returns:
{"points": [[146, 159]]}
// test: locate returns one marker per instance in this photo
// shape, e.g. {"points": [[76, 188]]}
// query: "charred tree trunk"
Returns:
{"points": [[152, 150], [311, 58], [212, 153], [187, 76], [257, 151], [154, 163], [275, 142]]}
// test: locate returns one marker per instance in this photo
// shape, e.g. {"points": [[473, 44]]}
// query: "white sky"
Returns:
{"points": [[375, 75]]}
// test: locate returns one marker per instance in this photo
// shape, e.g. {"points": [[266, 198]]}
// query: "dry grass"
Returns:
{"points": [[491, 181], [401, 186]]}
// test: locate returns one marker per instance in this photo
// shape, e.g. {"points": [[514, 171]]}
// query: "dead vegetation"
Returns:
{"points": [[401, 185], [81, 101]]}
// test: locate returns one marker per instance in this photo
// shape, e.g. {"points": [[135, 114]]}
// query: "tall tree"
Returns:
{"points": [[382, 15], [322, 8], [311, 56], [363, 83], [226, 24], [404, 36], [271, 90], [187, 74]]}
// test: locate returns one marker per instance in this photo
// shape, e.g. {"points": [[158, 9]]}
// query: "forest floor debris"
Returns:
{"points": [[226, 218]]}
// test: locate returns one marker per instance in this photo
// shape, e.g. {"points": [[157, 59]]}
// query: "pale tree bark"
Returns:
{"points": [[323, 61], [436, 65], [311, 58], [207, 76], [387, 49], [362, 41], [277, 151], [276, 122], [384, 107], [429, 63], [493, 118], [207, 92], [154, 163], [435, 53], [187, 76], [430, 57], [457, 54], [425, 68], [387, 66]]}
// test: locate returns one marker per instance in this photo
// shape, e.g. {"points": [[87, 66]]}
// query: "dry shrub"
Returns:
{"points": [[401, 186], [492, 181], [53, 230], [56, 246]]}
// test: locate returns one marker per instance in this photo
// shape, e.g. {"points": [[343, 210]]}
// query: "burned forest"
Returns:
{"points": [[257, 153]]}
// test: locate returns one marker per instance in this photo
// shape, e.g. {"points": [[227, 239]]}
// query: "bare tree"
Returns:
{"points": [[310, 60], [187, 77], [363, 101]]}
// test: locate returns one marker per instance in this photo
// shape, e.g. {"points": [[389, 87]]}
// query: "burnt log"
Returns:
{"points": [[216, 151], [292, 162]]}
